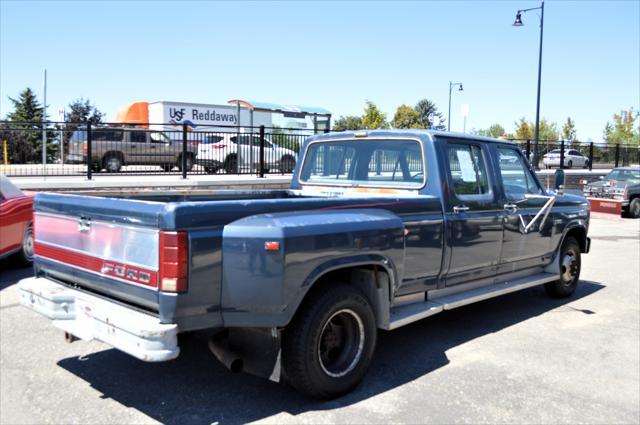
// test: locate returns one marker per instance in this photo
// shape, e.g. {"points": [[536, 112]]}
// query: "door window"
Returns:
{"points": [[137, 137], [517, 179], [468, 170]]}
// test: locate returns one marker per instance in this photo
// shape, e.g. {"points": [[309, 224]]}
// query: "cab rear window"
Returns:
{"points": [[373, 162]]}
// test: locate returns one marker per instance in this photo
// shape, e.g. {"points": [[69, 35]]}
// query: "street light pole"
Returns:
{"points": [[451, 85], [518, 23]]}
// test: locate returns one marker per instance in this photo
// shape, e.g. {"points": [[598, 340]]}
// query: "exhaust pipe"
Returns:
{"points": [[219, 346]]}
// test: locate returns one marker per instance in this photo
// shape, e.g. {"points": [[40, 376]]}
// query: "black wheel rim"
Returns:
{"points": [[341, 343]]}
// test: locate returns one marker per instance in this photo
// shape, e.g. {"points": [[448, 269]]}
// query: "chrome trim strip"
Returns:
{"points": [[90, 254]]}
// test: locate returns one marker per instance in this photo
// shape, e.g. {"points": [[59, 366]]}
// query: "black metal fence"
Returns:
{"points": [[86, 150], [567, 155]]}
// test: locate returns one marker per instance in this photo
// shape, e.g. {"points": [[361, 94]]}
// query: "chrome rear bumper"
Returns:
{"points": [[89, 317]]}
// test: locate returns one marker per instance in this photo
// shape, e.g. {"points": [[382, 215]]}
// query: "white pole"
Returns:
{"points": [[44, 126], [61, 114]]}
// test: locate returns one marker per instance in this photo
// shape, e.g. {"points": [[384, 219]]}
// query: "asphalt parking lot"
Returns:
{"points": [[521, 358]]}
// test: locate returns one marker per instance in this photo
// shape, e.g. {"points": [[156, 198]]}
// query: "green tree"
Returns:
{"points": [[406, 117], [350, 122], [526, 130], [82, 111], [569, 132], [623, 129], [280, 137], [495, 131], [373, 117], [27, 113], [428, 115]]}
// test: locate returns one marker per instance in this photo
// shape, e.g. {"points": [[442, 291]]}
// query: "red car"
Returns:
{"points": [[16, 217]]}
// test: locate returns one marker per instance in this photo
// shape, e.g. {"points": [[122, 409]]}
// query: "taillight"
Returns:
{"points": [[218, 146], [173, 261], [84, 148]]}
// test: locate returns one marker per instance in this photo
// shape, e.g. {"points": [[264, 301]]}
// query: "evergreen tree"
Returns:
{"points": [[27, 115], [428, 115]]}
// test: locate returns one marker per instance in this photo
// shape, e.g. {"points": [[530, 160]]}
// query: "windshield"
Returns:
{"points": [[377, 163], [159, 137], [8, 190], [629, 176]]}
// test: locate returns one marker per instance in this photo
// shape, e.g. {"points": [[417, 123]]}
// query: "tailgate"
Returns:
{"points": [[107, 246]]}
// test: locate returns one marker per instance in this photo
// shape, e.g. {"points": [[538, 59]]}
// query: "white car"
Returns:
{"points": [[571, 158], [234, 153]]}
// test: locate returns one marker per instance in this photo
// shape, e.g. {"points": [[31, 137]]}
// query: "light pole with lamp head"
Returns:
{"points": [[518, 23], [451, 85]]}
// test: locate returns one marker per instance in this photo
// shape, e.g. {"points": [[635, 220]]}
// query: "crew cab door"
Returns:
{"points": [[519, 249], [473, 215]]}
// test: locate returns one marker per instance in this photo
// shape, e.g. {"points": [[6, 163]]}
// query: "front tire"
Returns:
{"points": [[287, 164], [328, 347], [112, 164], [570, 164], [634, 208], [570, 264]]}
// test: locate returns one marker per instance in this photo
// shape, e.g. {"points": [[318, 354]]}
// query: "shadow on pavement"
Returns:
{"points": [[10, 274], [196, 388]]}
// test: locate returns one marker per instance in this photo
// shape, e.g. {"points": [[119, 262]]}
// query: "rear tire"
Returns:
{"points": [[112, 164], [167, 167], [231, 164], [24, 257], [569, 270], [328, 347]]}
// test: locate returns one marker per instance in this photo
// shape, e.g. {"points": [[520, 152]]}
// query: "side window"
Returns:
{"points": [[517, 179], [468, 170], [137, 137]]}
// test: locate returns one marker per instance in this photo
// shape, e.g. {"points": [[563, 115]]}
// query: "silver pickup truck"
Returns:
{"points": [[112, 148]]}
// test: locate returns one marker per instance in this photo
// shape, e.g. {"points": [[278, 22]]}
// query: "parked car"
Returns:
{"points": [[378, 230], [16, 232], [233, 153], [571, 158], [114, 147], [623, 184]]}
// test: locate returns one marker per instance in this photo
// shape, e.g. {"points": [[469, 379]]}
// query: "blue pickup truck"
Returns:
{"points": [[378, 230]]}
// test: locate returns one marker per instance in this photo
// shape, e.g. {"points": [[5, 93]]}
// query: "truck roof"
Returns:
{"points": [[420, 134]]}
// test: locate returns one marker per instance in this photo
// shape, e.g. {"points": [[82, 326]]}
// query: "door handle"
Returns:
{"points": [[510, 207], [133, 146], [460, 208]]}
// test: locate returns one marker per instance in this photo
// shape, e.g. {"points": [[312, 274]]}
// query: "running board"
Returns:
{"points": [[403, 315]]}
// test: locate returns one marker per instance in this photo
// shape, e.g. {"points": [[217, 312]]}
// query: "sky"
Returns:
{"points": [[334, 55]]}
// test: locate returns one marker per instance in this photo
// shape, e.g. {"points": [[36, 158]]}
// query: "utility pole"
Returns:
{"points": [[44, 126]]}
